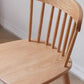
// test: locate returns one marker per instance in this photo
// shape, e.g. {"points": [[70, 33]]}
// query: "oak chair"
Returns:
{"points": [[39, 62]]}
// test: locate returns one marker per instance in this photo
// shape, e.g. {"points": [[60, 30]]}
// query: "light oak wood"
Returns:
{"points": [[66, 36], [50, 24], [67, 56], [68, 6], [30, 19], [66, 79], [62, 32], [41, 21], [30, 63], [34, 61], [72, 8], [72, 32], [56, 28]]}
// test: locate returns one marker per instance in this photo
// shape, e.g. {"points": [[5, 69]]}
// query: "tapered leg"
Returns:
{"points": [[66, 79], [48, 82]]}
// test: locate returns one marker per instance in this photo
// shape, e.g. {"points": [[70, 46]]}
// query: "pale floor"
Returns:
{"points": [[6, 36]]}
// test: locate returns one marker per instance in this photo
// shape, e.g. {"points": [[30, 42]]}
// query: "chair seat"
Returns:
{"points": [[23, 62]]}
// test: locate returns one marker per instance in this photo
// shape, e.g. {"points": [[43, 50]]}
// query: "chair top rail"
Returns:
{"points": [[71, 7]]}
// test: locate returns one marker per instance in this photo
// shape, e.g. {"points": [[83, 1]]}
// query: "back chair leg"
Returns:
{"points": [[66, 79], [46, 83]]}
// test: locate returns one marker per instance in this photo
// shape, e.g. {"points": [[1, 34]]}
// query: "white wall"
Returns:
{"points": [[14, 13], [14, 17]]}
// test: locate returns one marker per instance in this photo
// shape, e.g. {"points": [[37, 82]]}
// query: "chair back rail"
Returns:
{"points": [[71, 8]]}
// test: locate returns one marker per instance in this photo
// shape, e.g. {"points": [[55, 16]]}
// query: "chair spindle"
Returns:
{"points": [[30, 19], [72, 32], [62, 32], [67, 56], [66, 36], [56, 28], [49, 26], [41, 22]]}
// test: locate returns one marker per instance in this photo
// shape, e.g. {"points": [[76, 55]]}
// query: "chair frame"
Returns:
{"points": [[68, 6]]}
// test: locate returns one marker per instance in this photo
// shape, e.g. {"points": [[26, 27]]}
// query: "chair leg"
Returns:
{"points": [[66, 79], [46, 83]]}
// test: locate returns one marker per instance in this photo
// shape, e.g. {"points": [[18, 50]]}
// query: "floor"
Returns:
{"points": [[6, 36]]}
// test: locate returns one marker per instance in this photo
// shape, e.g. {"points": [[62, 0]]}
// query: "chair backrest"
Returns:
{"points": [[71, 8]]}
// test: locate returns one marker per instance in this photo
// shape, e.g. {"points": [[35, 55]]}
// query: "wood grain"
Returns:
{"points": [[62, 32], [41, 22], [30, 19], [66, 36], [69, 6], [50, 24], [67, 56], [25, 61], [56, 28], [71, 35], [66, 79]]}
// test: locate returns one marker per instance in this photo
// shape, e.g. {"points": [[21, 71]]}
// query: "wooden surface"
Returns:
{"points": [[41, 22], [62, 32], [66, 36], [71, 7], [72, 32], [56, 28], [49, 25], [66, 79], [30, 19], [67, 56], [23, 61], [6, 36]]}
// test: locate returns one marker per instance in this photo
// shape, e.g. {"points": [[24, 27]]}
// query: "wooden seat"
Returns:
{"points": [[31, 63], [38, 61]]}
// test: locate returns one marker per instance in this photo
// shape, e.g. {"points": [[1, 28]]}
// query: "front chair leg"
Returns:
{"points": [[66, 79]]}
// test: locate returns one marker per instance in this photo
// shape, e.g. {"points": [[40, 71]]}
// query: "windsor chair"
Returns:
{"points": [[39, 62]]}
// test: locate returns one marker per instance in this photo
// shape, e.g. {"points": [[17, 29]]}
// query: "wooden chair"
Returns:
{"points": [[39, 62]]}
